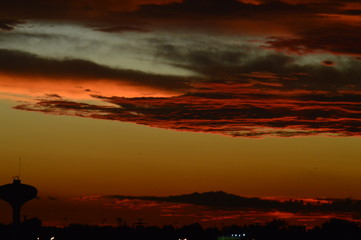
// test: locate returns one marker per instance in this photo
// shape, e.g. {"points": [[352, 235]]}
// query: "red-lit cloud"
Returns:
{"points": [[298, 76], [254, 108]]}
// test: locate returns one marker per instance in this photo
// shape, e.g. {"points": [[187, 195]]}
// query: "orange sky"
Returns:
{"points": [[254, 98]]}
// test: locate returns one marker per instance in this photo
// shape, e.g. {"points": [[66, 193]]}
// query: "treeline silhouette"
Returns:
{"points": [[332, 229]]}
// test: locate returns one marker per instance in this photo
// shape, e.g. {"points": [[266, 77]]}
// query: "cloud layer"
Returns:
{"points": [[237, 68]]}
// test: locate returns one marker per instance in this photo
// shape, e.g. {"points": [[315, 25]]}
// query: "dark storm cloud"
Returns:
{"points": [[202, 56], [224, 62], [352, 12], [111, 9], [301, 19], [337, 39], [225, 201], [312, 23], [88, 11], [24, 64], [189, 7], [29, 9], [228, 9]]}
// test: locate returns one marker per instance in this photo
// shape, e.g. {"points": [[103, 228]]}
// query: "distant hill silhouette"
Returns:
{"points": [[217, 199], [225, 201]]}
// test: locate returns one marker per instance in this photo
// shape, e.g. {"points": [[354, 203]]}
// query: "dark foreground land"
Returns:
{"points": [[277, 229]]}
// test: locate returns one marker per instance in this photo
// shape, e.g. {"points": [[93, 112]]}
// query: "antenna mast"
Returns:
{"points": [[19, 167]]}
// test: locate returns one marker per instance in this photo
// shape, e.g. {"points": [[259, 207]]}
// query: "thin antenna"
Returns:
{"points": [[17, 178], [19, 166]]}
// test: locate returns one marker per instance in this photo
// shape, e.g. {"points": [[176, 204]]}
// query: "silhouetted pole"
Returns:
{"points": [[16, 194], [119, 221], [140, 224]]}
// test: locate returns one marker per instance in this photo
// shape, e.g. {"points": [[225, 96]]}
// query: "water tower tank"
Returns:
{"points": [[16, 194]]}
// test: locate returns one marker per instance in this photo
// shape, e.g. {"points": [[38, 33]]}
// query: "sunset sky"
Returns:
{"points": [[100, 98]]}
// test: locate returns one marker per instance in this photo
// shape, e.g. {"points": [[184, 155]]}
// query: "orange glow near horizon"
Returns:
{"points": [[79, 89], [255, 98], [104, 212]]}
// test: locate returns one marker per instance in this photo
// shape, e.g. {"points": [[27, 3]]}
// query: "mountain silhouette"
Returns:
{"points": [[224, 201]]}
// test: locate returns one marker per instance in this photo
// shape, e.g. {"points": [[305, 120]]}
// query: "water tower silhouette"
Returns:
{"points": [[16, 194]]}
